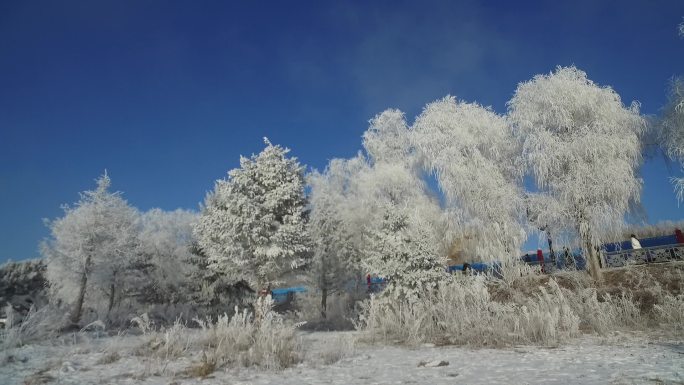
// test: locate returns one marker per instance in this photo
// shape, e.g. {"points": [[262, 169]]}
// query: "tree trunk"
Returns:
{"points": [[112, 293], [552, 254], [78, 306], [324, 302], [590, 253], [594, 265]]}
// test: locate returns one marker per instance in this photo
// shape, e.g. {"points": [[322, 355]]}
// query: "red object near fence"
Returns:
{"points": [[540, 258], [368, 280], [679, 235]]}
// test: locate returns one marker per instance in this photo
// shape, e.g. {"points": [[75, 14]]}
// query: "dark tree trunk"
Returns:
{"points": [[112, 293], [324, 302], [552, 254], [78, 306]]}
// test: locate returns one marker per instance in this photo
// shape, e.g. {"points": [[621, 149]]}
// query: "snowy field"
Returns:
{"points": [[618, 359]]}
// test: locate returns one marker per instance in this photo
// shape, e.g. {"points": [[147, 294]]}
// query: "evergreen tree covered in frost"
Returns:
{"points": [[252, 226], [582, 147], [473, 155], [671, 133], [165, 249], [335, 241], [403, 251], [90, 249], [404, 222]]}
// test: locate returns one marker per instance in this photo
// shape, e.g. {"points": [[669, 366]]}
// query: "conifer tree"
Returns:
{"points": [[252, 226]]}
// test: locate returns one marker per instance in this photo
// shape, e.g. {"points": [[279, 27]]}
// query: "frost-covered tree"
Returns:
{"points": [[252, 226], [165, 249], [387, 139], [582, 147], [671, 132], [472, 153], [335, 239], [404, 223], [403, 251], [90, 249]]}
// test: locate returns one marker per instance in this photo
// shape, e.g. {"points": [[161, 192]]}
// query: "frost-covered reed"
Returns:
{"points": [[481, 311]]}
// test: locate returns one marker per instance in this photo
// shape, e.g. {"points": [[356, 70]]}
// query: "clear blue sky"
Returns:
{"points": [[166, 95]]}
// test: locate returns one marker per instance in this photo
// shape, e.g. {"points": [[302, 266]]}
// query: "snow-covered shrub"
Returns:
{"points": [[252, 226], [262, 339], [604, 313], [259, 338], [37, 325], [530, 309], [463, 312], [176, 341], [670, 313]]}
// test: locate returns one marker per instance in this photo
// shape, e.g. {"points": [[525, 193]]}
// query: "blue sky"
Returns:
{"points": [[166, 95]]}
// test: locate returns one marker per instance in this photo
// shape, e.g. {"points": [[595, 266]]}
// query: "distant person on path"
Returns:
{"points": [[636, 245]]}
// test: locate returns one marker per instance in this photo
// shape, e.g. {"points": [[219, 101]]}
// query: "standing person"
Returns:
{"points": [[636, 245]]}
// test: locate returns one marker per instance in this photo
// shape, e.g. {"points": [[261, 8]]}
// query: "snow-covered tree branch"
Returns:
{"points": [[671, 132]]}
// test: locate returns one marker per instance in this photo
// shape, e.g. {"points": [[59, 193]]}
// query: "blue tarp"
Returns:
{"points": [[280, 295]]}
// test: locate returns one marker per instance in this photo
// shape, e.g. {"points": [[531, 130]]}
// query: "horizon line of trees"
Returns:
{"points": [[374, 213]]}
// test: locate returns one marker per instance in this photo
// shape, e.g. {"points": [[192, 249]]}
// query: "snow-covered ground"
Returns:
{"points": [[619, 359]]}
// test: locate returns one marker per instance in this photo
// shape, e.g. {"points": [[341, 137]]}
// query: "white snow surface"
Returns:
{"points": [[619, 359]]}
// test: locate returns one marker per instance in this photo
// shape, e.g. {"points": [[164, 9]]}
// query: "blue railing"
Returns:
{"points": [[655, 249]]}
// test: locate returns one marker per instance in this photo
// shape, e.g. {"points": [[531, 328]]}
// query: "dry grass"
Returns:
{"points": [[530, 308], [108, 358], [341, 347], [36, 325], [203, 369], [246, 339], [340, 313]]}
